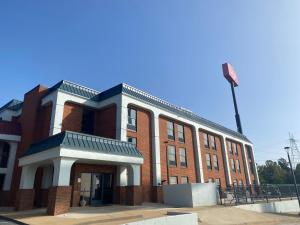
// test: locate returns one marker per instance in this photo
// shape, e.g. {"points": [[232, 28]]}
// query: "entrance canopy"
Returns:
{"points": [[83, 148]]}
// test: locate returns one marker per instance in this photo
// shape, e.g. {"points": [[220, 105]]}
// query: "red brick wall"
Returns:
{"points": [[105, 122], [28, 120], [178, 171], [144, 145], [72, 117], [235, 175], [213, 174], [79, 168], [43, 122], [250, 160]]}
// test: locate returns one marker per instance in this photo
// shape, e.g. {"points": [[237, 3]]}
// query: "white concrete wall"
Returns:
{"points": [[273, 207], [172, 219], [190, 195]]}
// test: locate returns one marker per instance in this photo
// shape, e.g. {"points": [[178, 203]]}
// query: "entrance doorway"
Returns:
{"points": [[97, 188]]}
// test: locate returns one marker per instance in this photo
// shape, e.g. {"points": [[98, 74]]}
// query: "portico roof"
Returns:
{"points": [[85, 142]]}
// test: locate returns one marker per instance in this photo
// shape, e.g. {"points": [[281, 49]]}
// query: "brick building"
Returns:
{"points": [[68, 144]]}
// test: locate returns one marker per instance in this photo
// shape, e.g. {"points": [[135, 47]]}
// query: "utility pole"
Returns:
{"points": [[293, 174], [231, 77]]}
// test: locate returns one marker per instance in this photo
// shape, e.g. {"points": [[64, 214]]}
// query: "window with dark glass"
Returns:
{"points": [[234, 148], [213, 142], [249, 152], [4, 154], [171, 155], [216, 164], [131, 123], [208, 161], [173, 180], [182, 154], [184, 180], [170, 128], [206, 141], [132, 140], [87, 122], [229, 147], [237, 164], [180, 133], [232, 165]]}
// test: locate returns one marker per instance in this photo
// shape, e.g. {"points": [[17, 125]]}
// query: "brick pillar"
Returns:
{"points": [[157, 194], [120, 195], [134, 195], [59, 200], [24, 199]]}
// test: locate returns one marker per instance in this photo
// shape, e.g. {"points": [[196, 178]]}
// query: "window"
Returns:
{"points": [[87, 122], [173, 180], [170, 127], [180, 133], [182, 154], [132, 140], [232, 165], [216, 164], [237, 165], [184, 180], [206, 141], [235, 182], [251, 167], [234, 148], [240, 183], [210, 180], [213, 142], [208, 161], [229, 147], [217, 181], [249, 152], [131, 123], [4, 154], [171, 156], [2, 176]]}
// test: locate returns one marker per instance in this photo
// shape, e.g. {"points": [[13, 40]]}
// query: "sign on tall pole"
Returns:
{"points": [[231, 77]]}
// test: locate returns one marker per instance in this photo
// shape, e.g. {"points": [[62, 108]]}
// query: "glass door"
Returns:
{"points": [[96, 189]]}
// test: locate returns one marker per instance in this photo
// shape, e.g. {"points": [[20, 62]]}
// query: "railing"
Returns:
{"points": [[8, 127], [236, 195]]}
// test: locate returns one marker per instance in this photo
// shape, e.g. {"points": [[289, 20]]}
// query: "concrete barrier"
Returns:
{"points": [[289, 206], [172, 218], [190, 195]]}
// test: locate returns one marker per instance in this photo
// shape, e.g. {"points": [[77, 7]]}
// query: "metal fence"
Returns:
{"points": [[236, 195]]}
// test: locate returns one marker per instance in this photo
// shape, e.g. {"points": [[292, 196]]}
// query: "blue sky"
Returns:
{"points": [[172, 48]]}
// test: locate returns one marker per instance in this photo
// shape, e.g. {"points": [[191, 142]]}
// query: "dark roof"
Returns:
{"points": [[93, 95], [86, 142], [13, 105]]}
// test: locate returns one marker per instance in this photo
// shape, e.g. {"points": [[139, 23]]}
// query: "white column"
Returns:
{"points": [[255, 167], [62, 171], [57, 114], [47, 177], [198, 156], [10, 165], [246, 164], [134, 175], [156, 149], [122, 117], [121, 176], [226, 160], [27, 176]]}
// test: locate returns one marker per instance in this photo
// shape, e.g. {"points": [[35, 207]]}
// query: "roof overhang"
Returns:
{"points": [[45, 157]]}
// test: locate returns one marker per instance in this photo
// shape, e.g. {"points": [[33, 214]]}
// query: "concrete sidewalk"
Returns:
{"points": [[117, 214]]}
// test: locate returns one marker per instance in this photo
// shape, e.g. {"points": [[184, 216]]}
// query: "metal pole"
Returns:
{"points": [[295, 183], [237, 116]]}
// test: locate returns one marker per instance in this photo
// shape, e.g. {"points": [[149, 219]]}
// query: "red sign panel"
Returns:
{"points": [[230, 74]]}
